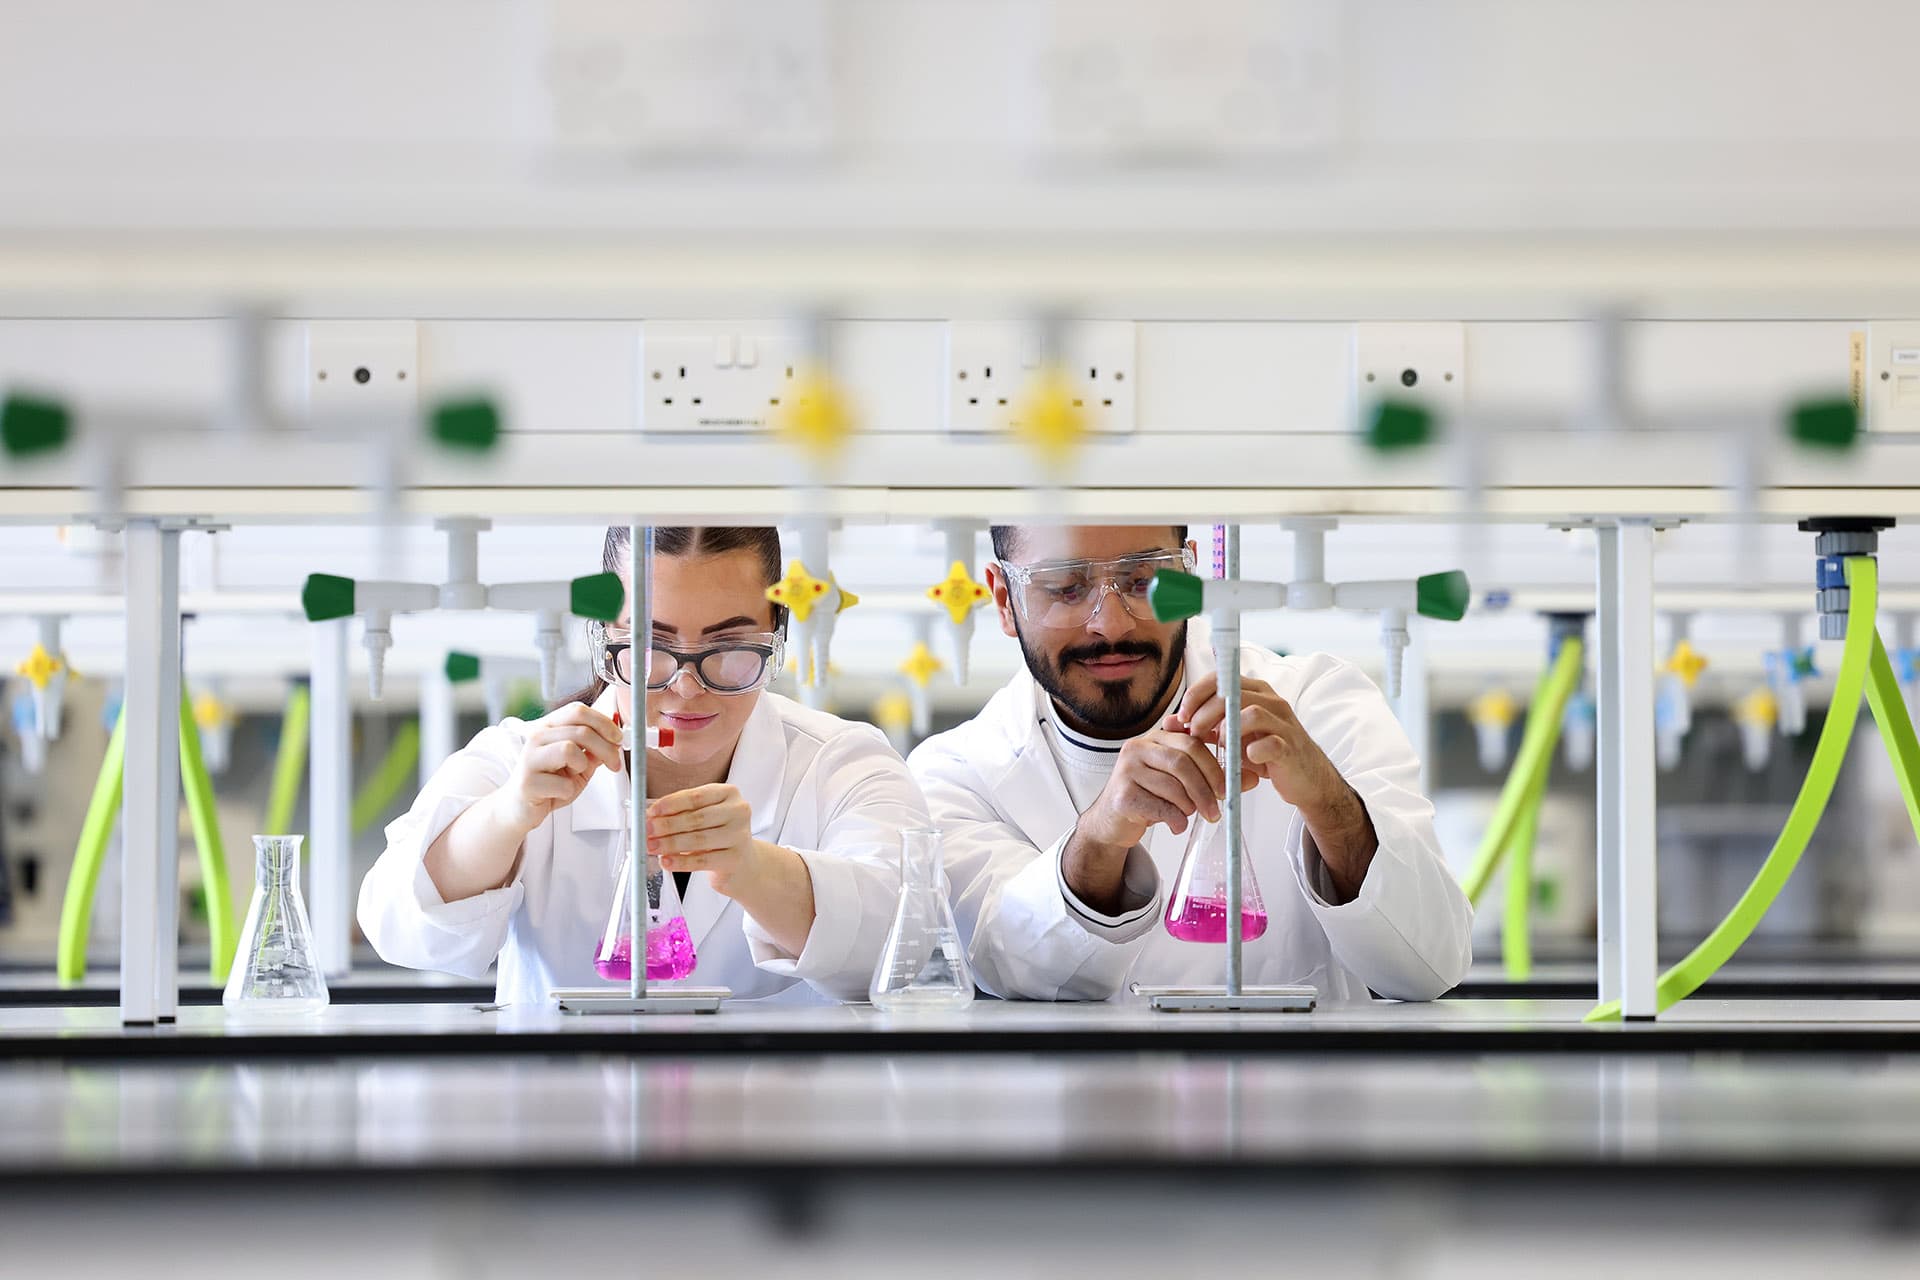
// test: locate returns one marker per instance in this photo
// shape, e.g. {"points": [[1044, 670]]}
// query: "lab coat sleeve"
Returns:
{"points": [[1407, 934], [400, 911], [866, 798], [1026, 937]]}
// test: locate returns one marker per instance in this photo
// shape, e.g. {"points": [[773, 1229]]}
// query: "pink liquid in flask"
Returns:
{"points": [[669, 955], [1205, 920]]}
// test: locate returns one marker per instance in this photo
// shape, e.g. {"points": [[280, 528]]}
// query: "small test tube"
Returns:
{"points": [[657, 737]]}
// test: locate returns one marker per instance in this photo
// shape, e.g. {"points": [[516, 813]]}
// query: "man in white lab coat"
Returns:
{"points": [[1064, 802]]}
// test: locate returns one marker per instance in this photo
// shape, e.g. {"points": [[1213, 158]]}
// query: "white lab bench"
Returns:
{"points": [[988, 1026], [387, 1139]]}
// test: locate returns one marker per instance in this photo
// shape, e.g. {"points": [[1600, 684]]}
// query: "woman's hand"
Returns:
{"points": [[710, 829], [480, 849], [706, 829], [555, 765]]}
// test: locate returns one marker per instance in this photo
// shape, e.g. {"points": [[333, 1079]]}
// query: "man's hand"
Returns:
{"points": [[1275, 746], [1163, 775]]}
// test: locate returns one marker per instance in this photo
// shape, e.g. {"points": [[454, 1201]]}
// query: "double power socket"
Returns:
{"points": [[727, 378]]}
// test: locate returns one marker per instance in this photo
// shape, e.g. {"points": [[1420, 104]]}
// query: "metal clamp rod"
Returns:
{"points": [[1226, 649], [640, 616]]}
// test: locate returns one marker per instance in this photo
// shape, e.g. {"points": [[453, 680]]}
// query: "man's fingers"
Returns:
{"points": [[1212, 771], [1185, 767], [1206, 719], [1154, 811], [1260, 722], [1271, 748], [1198, 694], [1148, 786]]}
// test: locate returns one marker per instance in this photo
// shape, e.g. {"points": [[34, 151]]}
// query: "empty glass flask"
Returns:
{"points": [[276, 969], [922, 965], [1197, 907]]}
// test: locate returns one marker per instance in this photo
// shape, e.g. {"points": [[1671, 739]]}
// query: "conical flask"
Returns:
{"points": [[276, 969], [922, 965], [1197, 907], [669, 944]]}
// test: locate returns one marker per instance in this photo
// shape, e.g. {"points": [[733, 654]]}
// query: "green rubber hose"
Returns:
{"points": [[1685, 978], [76, 910], [1530, 764], [392, 775], [290, 762], [1516, 950], [223, 925], [1896, 729]]}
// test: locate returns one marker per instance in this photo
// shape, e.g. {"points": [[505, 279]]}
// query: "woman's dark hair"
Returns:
{"points": [[682, 540]]}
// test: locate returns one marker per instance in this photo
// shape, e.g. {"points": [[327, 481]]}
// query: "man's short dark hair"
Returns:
{"points": [[1006, 539]]}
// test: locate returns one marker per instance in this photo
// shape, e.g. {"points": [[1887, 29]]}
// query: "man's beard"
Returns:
{"points": [[1113, 707]]}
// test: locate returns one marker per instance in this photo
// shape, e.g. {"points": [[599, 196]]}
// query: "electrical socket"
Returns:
{"points": [[989, 364], [1422, 362], [1892, 393], [358, 368], [714, 376]]}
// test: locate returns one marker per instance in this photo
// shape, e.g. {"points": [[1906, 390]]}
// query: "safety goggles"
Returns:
{"points": [[1067, 593], [737, 664]]}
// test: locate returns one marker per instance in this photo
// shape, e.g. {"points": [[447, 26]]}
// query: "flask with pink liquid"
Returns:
{"points": [[670, 954], [1197, 906]]}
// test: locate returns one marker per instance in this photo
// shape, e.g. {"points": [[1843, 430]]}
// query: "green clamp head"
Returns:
{"points": [[1443, 595], [1824, 424], [472, 425], [1398, 424], [1174, 595], [462, 667], [30, 425], [326, 597], [598, 596]]}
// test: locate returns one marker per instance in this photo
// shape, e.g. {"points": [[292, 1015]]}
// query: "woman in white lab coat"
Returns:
{"points": [[782, 823]]}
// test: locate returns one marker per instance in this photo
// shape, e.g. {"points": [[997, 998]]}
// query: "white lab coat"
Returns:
{"points": [[996, 792], [833, 791]]}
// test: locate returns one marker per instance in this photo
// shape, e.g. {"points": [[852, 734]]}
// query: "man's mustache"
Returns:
{"points": [[1120, 649]]}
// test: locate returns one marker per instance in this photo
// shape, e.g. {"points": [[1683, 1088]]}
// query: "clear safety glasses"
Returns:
{"points": [[737, 664], [1067, 593]]}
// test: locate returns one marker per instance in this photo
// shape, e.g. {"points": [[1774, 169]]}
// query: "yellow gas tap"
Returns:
{"points": [[1756, 715], [958, 593], [799, 591], [39, 667], [1686, 662], [1492, 714], [921, 665]]}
